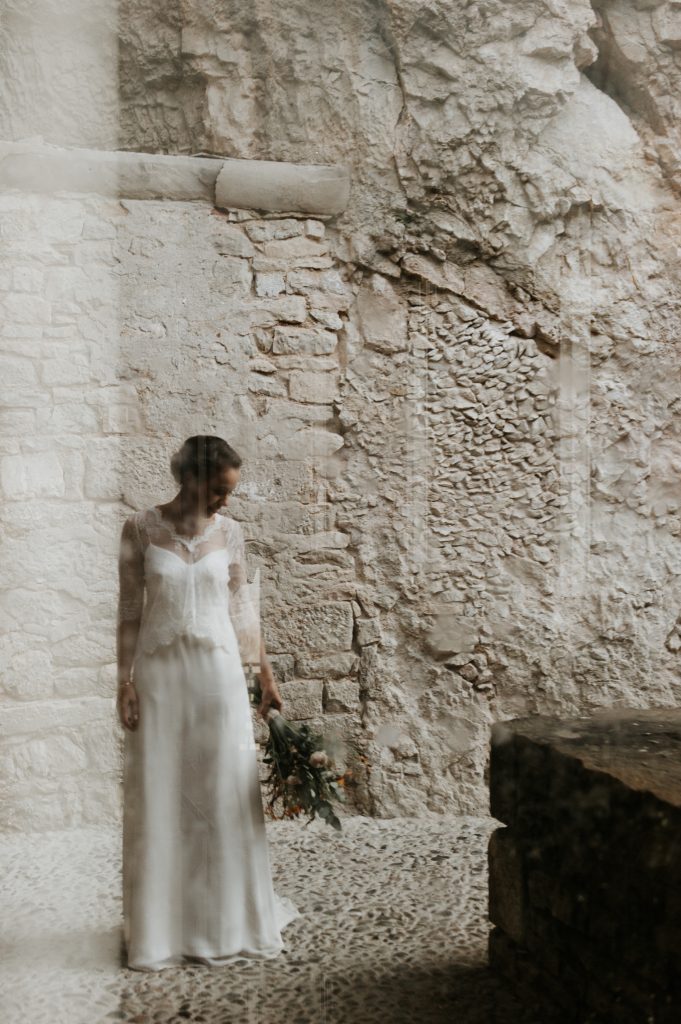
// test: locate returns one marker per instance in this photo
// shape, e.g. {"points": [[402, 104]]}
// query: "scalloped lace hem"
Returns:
{"points": [[149, 645]]}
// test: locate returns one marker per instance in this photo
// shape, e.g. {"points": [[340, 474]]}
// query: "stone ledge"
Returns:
{"points": [[273, 185], [269, 185], [585, 883]]}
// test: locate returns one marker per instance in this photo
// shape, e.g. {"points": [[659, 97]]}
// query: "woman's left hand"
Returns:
{"points": [[271, 698]]}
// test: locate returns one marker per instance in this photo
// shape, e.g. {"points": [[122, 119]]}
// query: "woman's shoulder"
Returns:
{"points": [[137, 521], [227, 522], [232, 527]]}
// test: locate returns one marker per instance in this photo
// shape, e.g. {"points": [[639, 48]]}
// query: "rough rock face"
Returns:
{"points": [[511, 456], [501, 450]]}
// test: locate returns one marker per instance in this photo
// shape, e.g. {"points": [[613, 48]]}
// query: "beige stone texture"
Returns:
{"points": [[456, 393]]}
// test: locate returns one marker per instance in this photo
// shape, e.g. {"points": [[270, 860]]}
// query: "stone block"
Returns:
{"points": [[304, 340], [293, 248], [383, 318], [18, 372], [75, 370], [312, 387], [102, 471], [303, 698], [260, 384], [279, 186], [372, 678], [311, 443], [326, 289], [324, 628], [231, 276], [314, 228], [368, 631], [327, 665], [34, 475], [341, 695], [269, 284], [453, 634], [270, 311], [279, 227], [230, 241], [328, 318]]}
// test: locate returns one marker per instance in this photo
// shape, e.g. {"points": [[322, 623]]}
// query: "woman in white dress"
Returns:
{"points": [[197, 883]]}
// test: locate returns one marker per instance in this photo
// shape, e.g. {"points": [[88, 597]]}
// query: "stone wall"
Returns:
{"points": [[518, 171], [129, 325], [63, 412], [484, 469]]}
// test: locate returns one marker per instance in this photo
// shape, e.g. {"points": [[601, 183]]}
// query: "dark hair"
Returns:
{"points": [[203, 455]]}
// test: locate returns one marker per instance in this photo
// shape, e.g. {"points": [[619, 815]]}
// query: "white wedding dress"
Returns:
{"points": [[196, 872]]}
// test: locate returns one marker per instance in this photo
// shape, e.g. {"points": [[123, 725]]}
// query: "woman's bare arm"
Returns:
{"points": [[129, 617], [126, 641]]}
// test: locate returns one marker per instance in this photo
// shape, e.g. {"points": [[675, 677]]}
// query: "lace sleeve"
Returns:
{"points": [[244, 600], [130, 572]]}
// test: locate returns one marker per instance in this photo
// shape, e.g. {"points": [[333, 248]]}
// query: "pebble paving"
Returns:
{"points": [[393, 929]]}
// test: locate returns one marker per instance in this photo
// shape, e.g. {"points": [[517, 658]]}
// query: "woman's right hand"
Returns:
{"points": [[128, 706]]}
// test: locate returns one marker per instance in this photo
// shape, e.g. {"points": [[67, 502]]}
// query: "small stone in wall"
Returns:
{"points": [[314, 228], [313, 628], [312, 387], [262, 365], [231, 242], [383, 319], [286, 308], [309, 341], [368, 631], [303, 698], [324, 284], [285, 227], [293, 248], [269, 284], [266, 385], [328, 317], [328, 665], [341, 694]]}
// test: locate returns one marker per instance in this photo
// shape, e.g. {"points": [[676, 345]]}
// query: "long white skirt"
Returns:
{"points": [[196, 870]]}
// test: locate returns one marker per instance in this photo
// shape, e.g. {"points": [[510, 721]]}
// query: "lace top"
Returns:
{"points": [[178, 585]]}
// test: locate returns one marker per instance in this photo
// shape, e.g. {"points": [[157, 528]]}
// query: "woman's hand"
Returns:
{"points": [[128, 706], [270, 694]]}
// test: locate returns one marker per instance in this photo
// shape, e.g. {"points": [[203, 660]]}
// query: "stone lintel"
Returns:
{"points": [[272, 186], [277, 186]]}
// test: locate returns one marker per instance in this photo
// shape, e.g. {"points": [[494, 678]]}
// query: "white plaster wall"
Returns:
{"points": [[134, 324]]}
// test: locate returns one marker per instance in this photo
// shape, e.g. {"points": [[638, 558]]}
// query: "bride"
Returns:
{"points": [[197, 883]]}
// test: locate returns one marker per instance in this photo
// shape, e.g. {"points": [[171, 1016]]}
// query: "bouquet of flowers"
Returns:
{"points": [[302, 773]]}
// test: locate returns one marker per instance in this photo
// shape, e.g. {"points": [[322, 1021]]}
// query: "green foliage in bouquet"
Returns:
{"points": [[302, 773]]}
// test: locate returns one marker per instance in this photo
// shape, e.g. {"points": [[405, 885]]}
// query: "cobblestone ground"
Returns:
{"points": [[394, 929]]}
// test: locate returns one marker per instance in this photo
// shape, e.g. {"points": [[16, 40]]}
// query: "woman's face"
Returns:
{"points": [[215, 494]]}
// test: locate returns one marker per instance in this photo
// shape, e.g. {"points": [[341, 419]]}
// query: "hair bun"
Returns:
{"points": [[176, 465], [202, 455]]}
